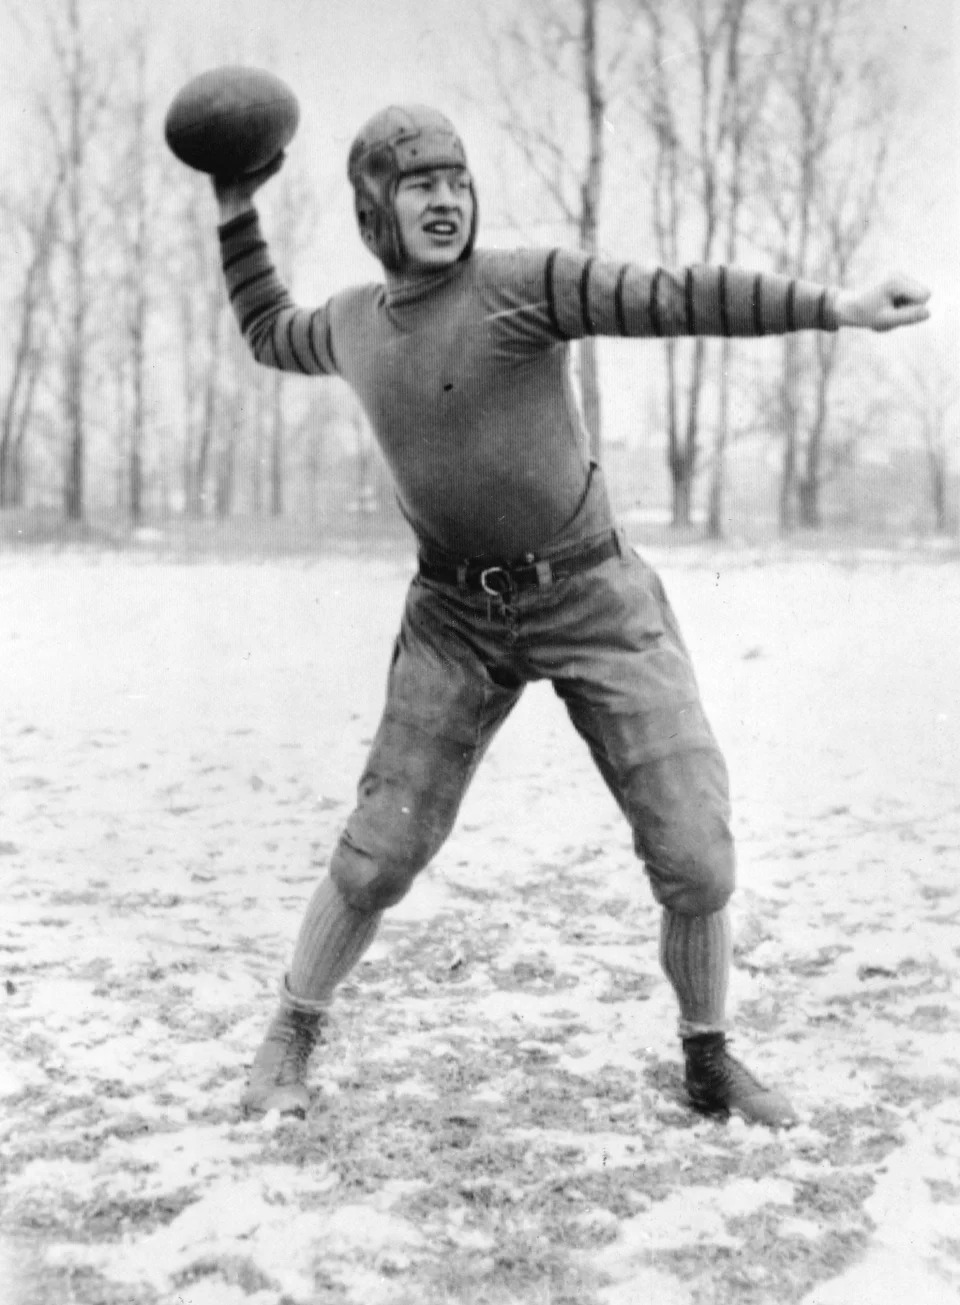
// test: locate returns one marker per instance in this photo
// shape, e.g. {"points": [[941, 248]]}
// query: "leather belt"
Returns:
{"points": [[502, 579]]}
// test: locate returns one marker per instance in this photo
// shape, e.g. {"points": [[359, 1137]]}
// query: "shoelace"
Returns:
{"points": [[718, 1069], [296, 1054]]}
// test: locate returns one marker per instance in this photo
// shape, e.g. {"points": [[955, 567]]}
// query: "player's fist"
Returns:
{"points": [[235, 194], [897, 301]]}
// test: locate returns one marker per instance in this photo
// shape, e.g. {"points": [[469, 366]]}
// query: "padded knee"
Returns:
{"points": [[371, 883], [693, 873], [680, 812]]}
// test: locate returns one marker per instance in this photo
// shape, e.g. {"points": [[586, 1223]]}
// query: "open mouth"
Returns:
{"points": [[440, 227]]}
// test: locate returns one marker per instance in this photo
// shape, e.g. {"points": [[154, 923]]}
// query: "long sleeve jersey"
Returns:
{"points": [[463, 374]]}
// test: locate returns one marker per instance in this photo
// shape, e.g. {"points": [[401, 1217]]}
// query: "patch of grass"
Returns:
{"points": [[525, 1264], [767, 1267], [236, 1270], [860, 1137], [459, 1074], [628, 985], [925, 1092], [454, 947], [834, 1199], [816, 963], [67, 1216], [665, 1078], [79, 1285], [534, 973], [620, 1190], [553, 1098], [761, 1015], [108, 1217], [29, 1145]]}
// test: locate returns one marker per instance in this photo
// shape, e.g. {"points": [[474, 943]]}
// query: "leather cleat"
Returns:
{"points": [[720, 1086], [277, 1076]]}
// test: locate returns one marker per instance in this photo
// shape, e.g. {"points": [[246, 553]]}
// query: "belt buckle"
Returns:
{"points": [[506, 582]]}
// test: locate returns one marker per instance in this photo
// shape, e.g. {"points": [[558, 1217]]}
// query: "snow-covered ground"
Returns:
{"points": [[499, 1113]]}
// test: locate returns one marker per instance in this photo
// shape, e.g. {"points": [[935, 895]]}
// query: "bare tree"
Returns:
{"points": [[134, 207], [297, 208], [72, 105], [699, 99], [201, 310], [824, 156], [38, 226], [744, 89], [933, 399], [556, 72]]}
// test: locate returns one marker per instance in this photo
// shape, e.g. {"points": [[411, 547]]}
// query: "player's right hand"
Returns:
{"points": [[235, 194]]}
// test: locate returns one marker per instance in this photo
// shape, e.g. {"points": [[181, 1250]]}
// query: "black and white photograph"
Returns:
{"points": [[480, 652]]}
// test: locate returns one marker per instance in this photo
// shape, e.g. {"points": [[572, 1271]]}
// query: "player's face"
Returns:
{"points": [[434, 213]]}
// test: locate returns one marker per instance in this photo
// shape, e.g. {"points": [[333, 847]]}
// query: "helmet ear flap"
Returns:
{"points": [[378, 227], [366, 221]]}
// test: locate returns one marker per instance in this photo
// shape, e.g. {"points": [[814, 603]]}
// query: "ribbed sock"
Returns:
{"points": [[696, 952], [332, 938]]}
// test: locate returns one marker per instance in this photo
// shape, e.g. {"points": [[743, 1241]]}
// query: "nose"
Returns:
{"points": [[444, 196]]}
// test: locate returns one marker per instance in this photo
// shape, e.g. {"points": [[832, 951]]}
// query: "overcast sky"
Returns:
{"points": [[346, 58]]}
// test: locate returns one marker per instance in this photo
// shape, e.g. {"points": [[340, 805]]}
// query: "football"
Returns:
{"points": [[231, 120]]}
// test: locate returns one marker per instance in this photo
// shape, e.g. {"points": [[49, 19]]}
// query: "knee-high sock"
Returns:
{"points": [[696, 952], [332, 938]]}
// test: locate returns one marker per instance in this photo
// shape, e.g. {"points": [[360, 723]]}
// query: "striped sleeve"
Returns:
{"points": [[279, 333], [591, 296]]}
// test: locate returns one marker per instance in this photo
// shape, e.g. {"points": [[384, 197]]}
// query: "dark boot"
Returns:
{"points": [[279, 1068], [717, 1084]]}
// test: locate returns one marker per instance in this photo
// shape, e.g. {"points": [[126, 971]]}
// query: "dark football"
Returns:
{"points": [[231, 120]]}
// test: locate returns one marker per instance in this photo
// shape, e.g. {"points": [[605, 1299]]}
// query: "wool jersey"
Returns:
{"points": [[464, 373]]}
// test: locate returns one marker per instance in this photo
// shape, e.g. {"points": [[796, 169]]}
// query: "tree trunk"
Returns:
{"points": [[259, 455], [10, 480], [790, 420], [682, 494], [73, 488], [674, 451], [205, 445], [226, 467], [140, 308], [811, 482], [276, 449], [938, 493], [18, 404], [75, 370], [715, 506], [212, 399], [590, 215], [135, 487], [685, 465], [16, 456], [808, 500]]}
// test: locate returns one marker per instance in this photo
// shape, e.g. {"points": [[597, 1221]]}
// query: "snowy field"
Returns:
{"points": [[499, 1114]]}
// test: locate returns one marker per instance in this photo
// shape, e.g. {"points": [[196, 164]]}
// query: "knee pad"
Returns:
{"points": [[679, 808], [694, 872], [371, 883]]}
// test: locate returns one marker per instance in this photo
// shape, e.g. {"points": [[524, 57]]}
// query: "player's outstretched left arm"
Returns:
{"points": [[581, 295], [897, 301]]}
